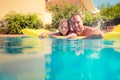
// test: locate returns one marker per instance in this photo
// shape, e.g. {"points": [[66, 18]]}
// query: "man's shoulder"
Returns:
{"points": [[89, 28]]}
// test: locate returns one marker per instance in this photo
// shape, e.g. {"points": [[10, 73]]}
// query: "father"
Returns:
{"points": [[81, 30]]}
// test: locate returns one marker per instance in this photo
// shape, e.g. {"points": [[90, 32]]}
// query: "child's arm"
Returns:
{"points": [[71, 35], [45, 34], [55, 34], [49, 34]]}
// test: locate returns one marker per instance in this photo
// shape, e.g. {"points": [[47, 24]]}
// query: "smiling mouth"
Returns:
{"points": [[78, 30]]}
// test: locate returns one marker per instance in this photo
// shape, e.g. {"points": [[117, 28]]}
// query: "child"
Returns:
{"points": [[109, 26], [64, 30]]}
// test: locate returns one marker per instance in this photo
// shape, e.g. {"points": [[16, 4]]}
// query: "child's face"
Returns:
{"points": [[110, 28], [63, 28]]}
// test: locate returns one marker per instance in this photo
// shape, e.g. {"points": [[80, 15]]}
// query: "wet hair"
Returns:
{"points": [[109, 23], [74, 14], [117, 20]]}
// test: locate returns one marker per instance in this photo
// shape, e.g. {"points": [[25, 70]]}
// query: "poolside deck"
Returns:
{"points": [[11, 35]]}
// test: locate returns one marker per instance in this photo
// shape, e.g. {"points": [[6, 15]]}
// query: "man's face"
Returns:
{"points": [[77, 24]]}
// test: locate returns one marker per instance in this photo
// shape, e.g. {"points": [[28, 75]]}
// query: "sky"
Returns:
{"points": [[97, 3]]}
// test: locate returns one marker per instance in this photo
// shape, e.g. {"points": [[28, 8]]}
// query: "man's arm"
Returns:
{"points": [[94, 34]]}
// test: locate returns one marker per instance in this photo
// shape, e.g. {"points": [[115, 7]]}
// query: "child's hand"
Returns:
{"points": [[43, 35], [72, 35]]}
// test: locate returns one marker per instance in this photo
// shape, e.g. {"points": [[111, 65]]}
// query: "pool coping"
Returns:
{"points": [[11, 35]]}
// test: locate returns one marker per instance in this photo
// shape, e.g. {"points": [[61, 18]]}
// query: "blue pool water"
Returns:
{"points": [[28, 58]]}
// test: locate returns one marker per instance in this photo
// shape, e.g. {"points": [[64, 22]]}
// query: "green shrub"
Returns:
{"points": [[91, 20], [111, 12], [2, 27], [15, 22]]}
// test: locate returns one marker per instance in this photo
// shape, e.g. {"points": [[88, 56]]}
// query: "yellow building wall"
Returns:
{"points": [[22, 6]]}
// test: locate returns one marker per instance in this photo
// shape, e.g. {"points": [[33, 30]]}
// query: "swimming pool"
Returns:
{"points": [[28, 58]]}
